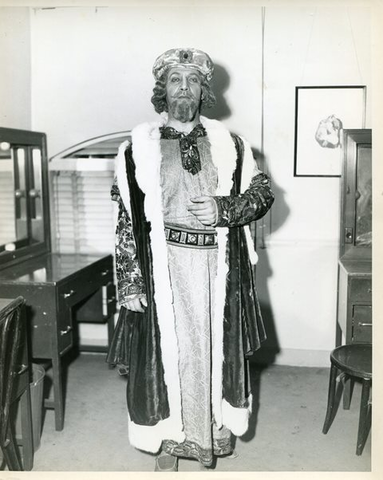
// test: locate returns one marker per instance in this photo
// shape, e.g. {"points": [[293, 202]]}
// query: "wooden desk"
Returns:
{"points": [[52, 285]]}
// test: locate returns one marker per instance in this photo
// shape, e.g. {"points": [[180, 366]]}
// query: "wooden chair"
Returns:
{"points": [[350, 362], [14, 385]]}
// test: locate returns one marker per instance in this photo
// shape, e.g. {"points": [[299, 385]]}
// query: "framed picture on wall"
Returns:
{"points": [[321, 114]]}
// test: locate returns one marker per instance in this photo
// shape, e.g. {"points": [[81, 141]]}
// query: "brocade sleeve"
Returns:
{"points": [[129, 277], [241, 209]]}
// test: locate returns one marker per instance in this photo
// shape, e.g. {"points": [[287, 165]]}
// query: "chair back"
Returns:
{"points": [[10, 358]]}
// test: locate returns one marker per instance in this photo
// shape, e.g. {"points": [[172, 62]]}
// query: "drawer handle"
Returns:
{"points": [[65, 332], [104, 273], [69, 294], [23, 369], [361, 324]]}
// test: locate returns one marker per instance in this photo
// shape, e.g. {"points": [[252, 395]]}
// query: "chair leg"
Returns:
{"points": [[347, 395], [11, 454], [26, 429], [364, 416], [331, 399]]}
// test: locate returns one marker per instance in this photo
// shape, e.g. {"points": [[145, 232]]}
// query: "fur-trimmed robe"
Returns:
{"points": [[154, 396]]}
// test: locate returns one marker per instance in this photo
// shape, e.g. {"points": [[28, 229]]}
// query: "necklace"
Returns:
{"points": [[188, 145]]}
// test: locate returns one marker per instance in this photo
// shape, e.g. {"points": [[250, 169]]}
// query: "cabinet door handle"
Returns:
{"points": [[111, 299], [19, 193], [362, 324], [64, 332], [23, 369], [348, 235], [104, 273], [34, 193], [69, 294]]}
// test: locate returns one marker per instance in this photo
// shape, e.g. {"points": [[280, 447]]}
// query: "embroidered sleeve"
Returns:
{"points": [[129, 278], [241, 209]]}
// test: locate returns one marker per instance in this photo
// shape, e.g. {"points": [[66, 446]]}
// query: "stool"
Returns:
{"points": [[352, 361]]}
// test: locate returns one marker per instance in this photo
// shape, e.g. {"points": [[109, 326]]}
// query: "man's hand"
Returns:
{"points": [[137, 303], [204, 209]]}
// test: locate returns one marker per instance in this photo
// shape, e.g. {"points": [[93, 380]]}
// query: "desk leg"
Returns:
{"points": [[58, 392]]}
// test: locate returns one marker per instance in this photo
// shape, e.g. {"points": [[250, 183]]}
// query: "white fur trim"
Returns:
{"points": [[147, 158], [236, 419], [150, 439], [253, 255], [224, 157]]}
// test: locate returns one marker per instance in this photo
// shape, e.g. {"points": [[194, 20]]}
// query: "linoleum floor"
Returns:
{"points": [[285, 432]]}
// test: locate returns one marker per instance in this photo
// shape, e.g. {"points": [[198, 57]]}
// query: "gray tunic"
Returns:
{"points": [[192, 273]]}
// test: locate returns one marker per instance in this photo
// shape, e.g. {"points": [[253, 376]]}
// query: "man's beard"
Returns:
{"points": [[184, 109]]}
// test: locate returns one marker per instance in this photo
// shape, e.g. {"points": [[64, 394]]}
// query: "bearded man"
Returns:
{"points": [[187, 190]]}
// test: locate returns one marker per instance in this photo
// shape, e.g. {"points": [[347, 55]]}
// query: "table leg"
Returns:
{"points": [[58, 401]]}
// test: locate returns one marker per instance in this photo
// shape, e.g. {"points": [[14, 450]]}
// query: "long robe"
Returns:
{"points": [[236, 329]]}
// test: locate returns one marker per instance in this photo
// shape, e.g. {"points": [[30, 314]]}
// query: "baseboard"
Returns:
{"points": [[303, 358]]}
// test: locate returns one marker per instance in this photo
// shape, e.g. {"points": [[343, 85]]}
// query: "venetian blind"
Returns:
{"points": [[83, 217]]}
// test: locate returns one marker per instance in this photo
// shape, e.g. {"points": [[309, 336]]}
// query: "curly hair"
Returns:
{"points": [[159, 95]]}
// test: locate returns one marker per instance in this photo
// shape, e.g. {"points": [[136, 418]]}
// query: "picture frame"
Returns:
{"points": [[321, 114]]}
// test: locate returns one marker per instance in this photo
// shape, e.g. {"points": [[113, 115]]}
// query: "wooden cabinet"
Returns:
{"points": [[354, 318], [60, 289], [354, 322], [355, 300]]}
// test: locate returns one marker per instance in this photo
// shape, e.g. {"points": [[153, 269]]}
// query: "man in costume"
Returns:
{"points": [[187, 190]]}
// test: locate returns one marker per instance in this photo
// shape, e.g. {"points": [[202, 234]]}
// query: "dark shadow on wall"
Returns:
{"points": [[220, 84], [280, 210], [273, 220]]}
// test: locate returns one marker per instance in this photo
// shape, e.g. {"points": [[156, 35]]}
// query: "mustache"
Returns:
{"points": [[184, 95]]}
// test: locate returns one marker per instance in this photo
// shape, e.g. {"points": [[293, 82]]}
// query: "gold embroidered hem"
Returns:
{"points": [[188, 449]]}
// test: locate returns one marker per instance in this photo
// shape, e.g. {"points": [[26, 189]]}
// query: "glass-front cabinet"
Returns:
{"points": [[24, 196], [354, 322]]}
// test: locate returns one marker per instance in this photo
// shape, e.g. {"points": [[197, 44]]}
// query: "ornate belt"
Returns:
{"points": [[186, 237]]}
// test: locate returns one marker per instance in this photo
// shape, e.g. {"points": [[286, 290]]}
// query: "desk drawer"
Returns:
{"points": [[64, 330], [85, 283], [361, 289], [362, 324]]}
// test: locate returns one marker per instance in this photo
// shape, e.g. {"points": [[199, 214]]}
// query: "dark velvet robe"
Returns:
{"points": [[136, 342]]}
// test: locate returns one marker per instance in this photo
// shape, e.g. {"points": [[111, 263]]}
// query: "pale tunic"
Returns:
{"points": [[192, 272]]}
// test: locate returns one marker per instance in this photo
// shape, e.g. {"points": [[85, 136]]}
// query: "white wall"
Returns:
{"points": [[305, 46], [15, 61], [91, 76], [92, 67]]}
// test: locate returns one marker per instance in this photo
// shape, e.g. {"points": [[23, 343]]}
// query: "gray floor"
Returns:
{"points": [[285, 433]]}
